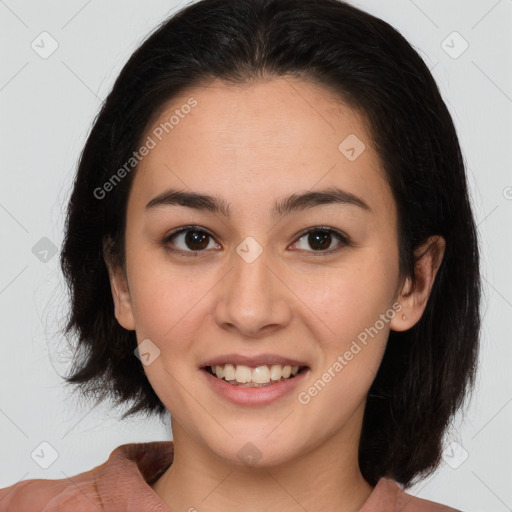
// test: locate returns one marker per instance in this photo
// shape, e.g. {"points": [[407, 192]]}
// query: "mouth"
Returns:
{"points": [[240, 375]]}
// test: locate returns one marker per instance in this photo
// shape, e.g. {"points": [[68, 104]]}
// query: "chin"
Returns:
{"points": [[257, 449]]}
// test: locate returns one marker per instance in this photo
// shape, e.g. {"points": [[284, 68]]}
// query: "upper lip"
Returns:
{"points": [[254, 360]]}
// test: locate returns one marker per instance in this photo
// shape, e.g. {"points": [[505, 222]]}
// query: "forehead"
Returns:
{"points": [[260, 140]]}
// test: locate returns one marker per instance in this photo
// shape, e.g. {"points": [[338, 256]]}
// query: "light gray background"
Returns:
{"points": [[47, 107]]}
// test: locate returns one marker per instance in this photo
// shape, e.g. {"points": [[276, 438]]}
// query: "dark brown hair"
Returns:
{"points": [[428, 370]]}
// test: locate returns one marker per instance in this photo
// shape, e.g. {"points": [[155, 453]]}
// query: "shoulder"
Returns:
{"points": [[121, 481], [37, 494], [388, 496]]}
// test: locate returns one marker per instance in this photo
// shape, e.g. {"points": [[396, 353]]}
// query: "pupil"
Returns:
{"points": [[321, 237], [195, 237]]}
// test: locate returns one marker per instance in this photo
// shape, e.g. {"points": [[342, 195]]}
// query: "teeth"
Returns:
{"points": [[229, 372], [276, 372], [261, 375], [219, 371], [241, 374]]}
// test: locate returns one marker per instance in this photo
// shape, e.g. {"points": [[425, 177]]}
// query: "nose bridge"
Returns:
{"points": [[252, 298]]}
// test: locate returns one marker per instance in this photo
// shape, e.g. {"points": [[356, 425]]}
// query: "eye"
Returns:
{"points": [[321, 238], [192, 240]]}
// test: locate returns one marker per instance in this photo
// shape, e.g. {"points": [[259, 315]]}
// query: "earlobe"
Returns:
{"points": [[121, 296], [415, 293]]}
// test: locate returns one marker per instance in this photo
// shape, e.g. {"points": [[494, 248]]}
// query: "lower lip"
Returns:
{"points": [[253, 396]]}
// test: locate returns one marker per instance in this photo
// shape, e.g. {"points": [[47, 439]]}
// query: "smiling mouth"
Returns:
{"points": [[258, 377]]}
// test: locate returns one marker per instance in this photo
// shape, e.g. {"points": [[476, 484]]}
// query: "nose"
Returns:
{"points": [[253, 300]]}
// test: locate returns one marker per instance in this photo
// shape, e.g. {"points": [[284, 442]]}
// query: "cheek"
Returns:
{"points": [[169, 310], [351, 357], [351, 297], [350, 302], [166, 298]]}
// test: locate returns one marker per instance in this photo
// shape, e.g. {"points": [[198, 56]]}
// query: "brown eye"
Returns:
{"points": [[188, 240], [196, 240], [320, 240]]}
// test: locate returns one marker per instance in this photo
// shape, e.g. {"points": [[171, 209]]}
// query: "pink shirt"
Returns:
{"points": [[122, 484]]}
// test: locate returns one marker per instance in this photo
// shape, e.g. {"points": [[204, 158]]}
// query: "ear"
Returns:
{"points": [[120, 291], [414, 296]]}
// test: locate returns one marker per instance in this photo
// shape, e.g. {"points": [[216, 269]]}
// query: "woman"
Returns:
{"points": [[270, 237]]}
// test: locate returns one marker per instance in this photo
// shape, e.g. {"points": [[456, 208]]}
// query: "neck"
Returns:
{"points": [[325, 477]]}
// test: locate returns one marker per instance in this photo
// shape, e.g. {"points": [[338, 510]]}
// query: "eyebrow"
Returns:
{"points": [[295, 202]]}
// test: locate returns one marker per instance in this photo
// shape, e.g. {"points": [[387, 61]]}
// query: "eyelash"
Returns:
{"points": [[343, 239]]}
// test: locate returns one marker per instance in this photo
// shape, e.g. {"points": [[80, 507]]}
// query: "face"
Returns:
{"points": [[309, 283]]}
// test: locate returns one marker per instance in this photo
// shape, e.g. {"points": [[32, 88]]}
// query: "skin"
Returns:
{"points": [[253, 145]]}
